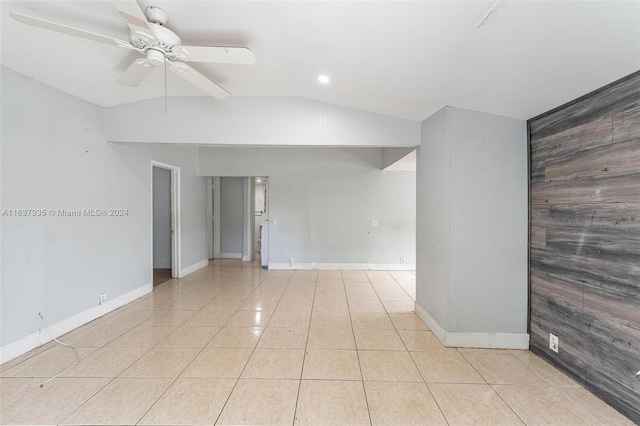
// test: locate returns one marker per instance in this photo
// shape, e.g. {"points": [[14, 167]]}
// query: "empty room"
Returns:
{"points": [[320, 212]]}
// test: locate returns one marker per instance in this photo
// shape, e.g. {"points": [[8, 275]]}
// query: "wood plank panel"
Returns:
{"points": [[538, 237], [573, 140], [618, 159], [617, 97], [609, 278], [626, 125], [537, 174], [623, 311], [615, 393], [585, 241], [623, 217], [595, 243], [619, 189], [610, 372]]}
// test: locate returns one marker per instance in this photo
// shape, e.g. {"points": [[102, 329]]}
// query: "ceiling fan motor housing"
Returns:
{"points": [[158, 47], [156, 15]]}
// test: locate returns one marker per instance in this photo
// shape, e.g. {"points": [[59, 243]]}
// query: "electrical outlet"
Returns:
{"points": [[402, 260], [553, 342], [275, 222], [103, 298], [291, 261]]}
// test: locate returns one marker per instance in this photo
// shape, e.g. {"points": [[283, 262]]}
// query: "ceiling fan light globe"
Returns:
{"points": [[155, 57]]}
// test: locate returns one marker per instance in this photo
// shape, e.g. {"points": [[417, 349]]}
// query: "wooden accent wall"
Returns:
{"points": [[585, 240]]}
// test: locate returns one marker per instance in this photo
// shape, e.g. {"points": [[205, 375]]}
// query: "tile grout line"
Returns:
{"points": [[409, 353], [142, 355], [491, 386], [253, 350], [506, 403], [401, 287], [175, 379], [112, 379], [245, 289], [304, 354], [88, 399], [188, 364], [117, 376], [355, 343], [67, 377]]}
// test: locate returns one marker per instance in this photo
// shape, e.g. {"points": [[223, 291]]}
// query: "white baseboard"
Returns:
{"points": [[230, 255], [345, 266], [40, 337], [392, 267], [193, 268], [246, 258], [430, 322], [488, 340], [309, 266], [473, 340]]}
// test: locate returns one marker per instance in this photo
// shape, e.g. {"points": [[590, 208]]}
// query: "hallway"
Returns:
{"points": [[235, 344]]}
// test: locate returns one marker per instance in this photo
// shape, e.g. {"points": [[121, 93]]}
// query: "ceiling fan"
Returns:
{"points": [[150, 36]]}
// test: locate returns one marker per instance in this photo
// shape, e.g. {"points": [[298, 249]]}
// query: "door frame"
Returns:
{"points": [[213, 217], [248, 217], [176, 261], [210, 216]]}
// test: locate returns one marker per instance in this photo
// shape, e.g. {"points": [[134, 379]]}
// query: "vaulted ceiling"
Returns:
{"points": [[404, 59]]}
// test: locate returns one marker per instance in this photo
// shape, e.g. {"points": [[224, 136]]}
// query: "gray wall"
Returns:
{"points": [[432, 219], [256, 121], [324, 200], [472, 222], [161, 218], [54, 155], [231, 210]]}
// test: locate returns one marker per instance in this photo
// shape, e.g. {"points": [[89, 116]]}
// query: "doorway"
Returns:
{"points": [[261, 222], [231, 217], [213, 217], [164, 220]]}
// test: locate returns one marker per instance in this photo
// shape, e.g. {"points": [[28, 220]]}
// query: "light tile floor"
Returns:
{"points": [[235, 344]]}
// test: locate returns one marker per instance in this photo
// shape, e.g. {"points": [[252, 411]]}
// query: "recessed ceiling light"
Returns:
{"points": [[324, 79]]}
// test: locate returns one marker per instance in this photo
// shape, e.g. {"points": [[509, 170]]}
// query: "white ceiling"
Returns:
{"points": [[405, 59]]}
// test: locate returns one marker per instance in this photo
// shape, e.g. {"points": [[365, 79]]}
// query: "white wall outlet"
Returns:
{"points": [[553, 342], [402, 260], [275, 222], [291, 261], [103, 298], [374, 223]]}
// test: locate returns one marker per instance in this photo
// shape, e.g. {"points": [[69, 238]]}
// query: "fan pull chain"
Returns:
{"points": [[165, 87]]}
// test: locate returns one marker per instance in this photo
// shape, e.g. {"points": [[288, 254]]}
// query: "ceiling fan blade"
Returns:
{"points": [[134, 16], [136, 73], [198, 80], [220, 55], [48, 25]]}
